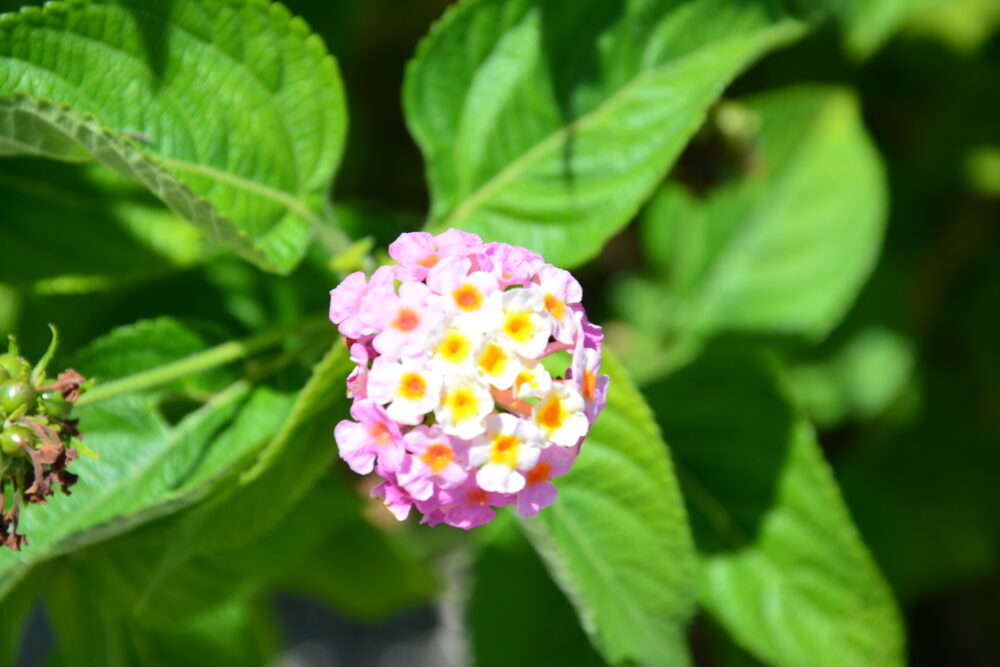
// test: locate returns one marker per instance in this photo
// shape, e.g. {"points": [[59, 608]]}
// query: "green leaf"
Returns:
{"points": [[228, 111], [786, 248], [17, 607], [130, 569], [511, 582], [861, 380], [289, 465], [92, 628], [617, 539], [547, 124], [783, 568], [52, 212], [147, 468]]}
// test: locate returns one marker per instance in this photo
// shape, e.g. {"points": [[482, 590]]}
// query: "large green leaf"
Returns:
{"points": [[92, 629], [617, 539], [228, 111], [547, 123], [783, 568], [293, 461], [785, 248], [52, 212], [147, 467], [511, 582]]}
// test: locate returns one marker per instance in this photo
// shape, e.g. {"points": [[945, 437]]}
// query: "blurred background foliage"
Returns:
{"points": [[752, 287]]}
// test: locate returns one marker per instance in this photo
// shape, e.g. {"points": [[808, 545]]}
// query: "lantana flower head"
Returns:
{"points": [[454, 407]]}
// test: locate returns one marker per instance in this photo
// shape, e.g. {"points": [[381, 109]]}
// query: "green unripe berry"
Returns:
{"points": [[14, 436], [14, 394], [4, 375], [54, 405], [16, 367]]}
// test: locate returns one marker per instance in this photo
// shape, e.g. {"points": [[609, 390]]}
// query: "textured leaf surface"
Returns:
{"points": [[785, 248], [146, 467], [617, 539], [547, 124], [783, 568], [230, 112]]}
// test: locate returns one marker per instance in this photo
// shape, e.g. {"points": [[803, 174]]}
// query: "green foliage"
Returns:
{"points": [[54, 210], [229, 112], [782, 566], [750, 255], [617, 540], [808, 297], [508, 567], [547, 124]]}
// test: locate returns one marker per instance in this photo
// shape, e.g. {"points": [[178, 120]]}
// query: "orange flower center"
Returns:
{"points": [[555, 306], [467, 297], [492, 359], [538, 474], [437, 456], [551, 417], [589, 385], [380, 432], [477, 497], [429, 261], [406, 320]]}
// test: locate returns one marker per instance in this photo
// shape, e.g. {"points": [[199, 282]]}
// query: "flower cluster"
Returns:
{"points": [[38, 439], [453, 406]]}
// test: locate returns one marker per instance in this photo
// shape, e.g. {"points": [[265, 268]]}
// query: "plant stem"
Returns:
{"points": [[202, 361]]}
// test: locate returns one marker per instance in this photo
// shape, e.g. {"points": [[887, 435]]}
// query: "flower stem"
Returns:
{"points": [[202, 361]]}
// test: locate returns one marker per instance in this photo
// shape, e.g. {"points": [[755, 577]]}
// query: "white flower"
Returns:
{"points": [[410, 389], [560, 415], [509, 446], [463, 407]]}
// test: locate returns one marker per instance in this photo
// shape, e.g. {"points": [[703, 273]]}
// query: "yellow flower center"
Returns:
{"points": [[504, 450], [454, 348], [492, 360], [518, 326], [412, 386], [462, 403]]}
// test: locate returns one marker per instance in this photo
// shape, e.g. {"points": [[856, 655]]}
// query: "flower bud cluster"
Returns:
{"points": [[453, 406], [36, 434]]}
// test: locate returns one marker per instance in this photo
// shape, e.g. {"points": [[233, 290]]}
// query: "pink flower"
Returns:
{"points": [[586, 365], [468, 506], [463, 293], [438, 459], [511, 265], [347, 299], [395, 498], [539, 492], [560, 291], [404, 321], [418, 252], [374, 434]]}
